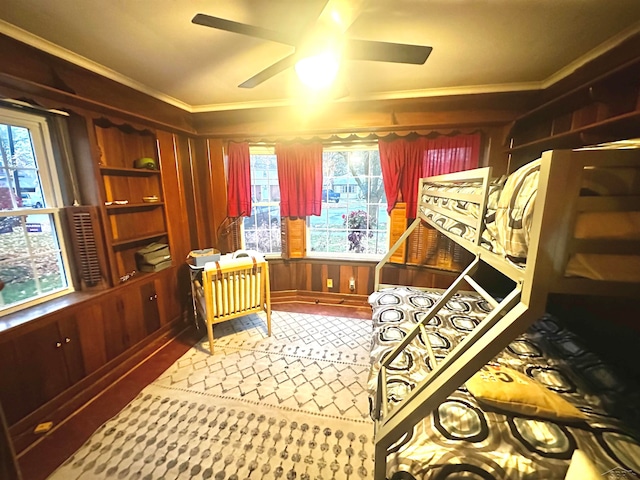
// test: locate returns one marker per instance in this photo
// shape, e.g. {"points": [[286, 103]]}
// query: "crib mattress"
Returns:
{"points": [[466, 439]]}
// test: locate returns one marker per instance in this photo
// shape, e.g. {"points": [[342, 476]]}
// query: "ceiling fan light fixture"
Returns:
{"points": [[318, 71]]}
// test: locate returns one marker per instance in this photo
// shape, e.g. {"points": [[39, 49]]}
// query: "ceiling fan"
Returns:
{"points": [[325, 31]]}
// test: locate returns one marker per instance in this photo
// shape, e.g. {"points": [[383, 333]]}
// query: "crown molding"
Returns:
{"points": [[591, 55], [51, 48]]}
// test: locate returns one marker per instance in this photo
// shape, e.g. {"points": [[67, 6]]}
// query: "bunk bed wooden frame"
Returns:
{"points": [[552, 242]]}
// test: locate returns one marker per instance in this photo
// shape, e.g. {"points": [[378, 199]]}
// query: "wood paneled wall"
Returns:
{"points": [[52, 81], [311, 275]]}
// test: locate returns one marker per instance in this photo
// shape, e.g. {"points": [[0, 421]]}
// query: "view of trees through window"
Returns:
{"points": [[262, 229], [354, 217], [31, 259]]}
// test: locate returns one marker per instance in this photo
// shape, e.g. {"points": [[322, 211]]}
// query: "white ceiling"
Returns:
{"points": [[479, 45]]}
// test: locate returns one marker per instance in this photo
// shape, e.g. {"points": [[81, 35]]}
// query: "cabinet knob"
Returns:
{"points": [[153, 297], [67, 339], [58, 344]]}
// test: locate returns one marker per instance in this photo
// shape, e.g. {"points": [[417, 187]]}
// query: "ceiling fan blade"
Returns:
{"points": [[386, 52], [269, 72], [342, 13], [244, 29]]}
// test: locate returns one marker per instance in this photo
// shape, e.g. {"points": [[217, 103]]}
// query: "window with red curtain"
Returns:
{"points": [[451, 154], [239, 185], [300, 178], [401, 163], [405, 161]]}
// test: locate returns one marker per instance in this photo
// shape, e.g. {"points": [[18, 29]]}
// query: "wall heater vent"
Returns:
{"points": [[89, 253]]}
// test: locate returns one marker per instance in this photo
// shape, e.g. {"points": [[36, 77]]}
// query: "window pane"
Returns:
{"points": [[19, 177], [354, 217], [31, 257], [30, 262], [262, 230]]}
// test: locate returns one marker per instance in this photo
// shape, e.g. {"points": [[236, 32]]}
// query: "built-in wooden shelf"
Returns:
{"points": [[603, 110], [114, 208], [130, 241], [143, 172]]}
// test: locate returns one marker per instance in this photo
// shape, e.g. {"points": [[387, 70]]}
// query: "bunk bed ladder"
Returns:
{"points": [[453, 370]]}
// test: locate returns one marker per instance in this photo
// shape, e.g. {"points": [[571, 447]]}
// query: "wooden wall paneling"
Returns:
{"points": [[69, 84], [173, 197], [85, 159], [184, 147], [318, 278], [364, 280], [203, 200], [218, 189], [345, 273], [452, 112]]}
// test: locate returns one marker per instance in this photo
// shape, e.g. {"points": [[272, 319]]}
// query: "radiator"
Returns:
{"points": [[232, 288]]}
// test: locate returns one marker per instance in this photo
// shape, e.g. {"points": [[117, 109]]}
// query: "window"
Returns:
{"points": [[33, 263], [354, 216], [261, 231]]}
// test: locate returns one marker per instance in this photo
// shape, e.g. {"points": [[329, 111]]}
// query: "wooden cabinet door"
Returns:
{"points": [[150, 311], [172, 293], [90, 327], [123, 321], [34, 372]]}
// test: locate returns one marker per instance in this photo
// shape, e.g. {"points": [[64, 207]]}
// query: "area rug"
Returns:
{"points": [[291, 406]]}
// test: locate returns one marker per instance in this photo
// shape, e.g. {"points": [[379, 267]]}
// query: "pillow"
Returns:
{"points": [[514, 213], [510, 390], [582, 468]]}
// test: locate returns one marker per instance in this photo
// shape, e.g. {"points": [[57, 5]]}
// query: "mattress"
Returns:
{"points": [[509, 216], [463, 438]]}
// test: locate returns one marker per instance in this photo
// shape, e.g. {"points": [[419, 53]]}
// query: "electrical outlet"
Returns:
{"points": [[329, 282], [352, 284]]}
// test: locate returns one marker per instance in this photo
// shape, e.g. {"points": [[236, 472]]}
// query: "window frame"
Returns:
{"points": [[262, 150], [42, 144], [347, 255]]}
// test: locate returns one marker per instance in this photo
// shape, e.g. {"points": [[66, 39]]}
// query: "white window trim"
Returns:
{"points": [[346, 256], [43, 150]]}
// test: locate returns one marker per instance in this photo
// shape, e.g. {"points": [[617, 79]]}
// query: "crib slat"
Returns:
{"points": [[235, 289]]}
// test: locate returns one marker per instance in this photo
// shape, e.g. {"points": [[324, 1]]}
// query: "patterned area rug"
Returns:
{"points": [[291, 406]]}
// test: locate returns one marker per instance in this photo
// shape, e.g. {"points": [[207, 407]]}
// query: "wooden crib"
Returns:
{"points": [[234, 287]]}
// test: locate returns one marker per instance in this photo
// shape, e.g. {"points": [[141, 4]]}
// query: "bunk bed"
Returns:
{"points": [[566, 223]]}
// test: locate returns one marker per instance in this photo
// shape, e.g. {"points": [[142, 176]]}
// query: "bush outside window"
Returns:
{"points": [[354, 219]]}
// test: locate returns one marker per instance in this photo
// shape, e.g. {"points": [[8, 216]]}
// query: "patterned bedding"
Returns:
{"points": [[463, 207], [462, 438], [509, 216]]}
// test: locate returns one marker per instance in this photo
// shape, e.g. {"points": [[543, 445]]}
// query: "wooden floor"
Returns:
{"points": [[45, 456]]}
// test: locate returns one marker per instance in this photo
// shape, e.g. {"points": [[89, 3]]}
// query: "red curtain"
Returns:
{"points": [[401, 163], [451, 154], [404, 162], [239, 186], [300, 179]]}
